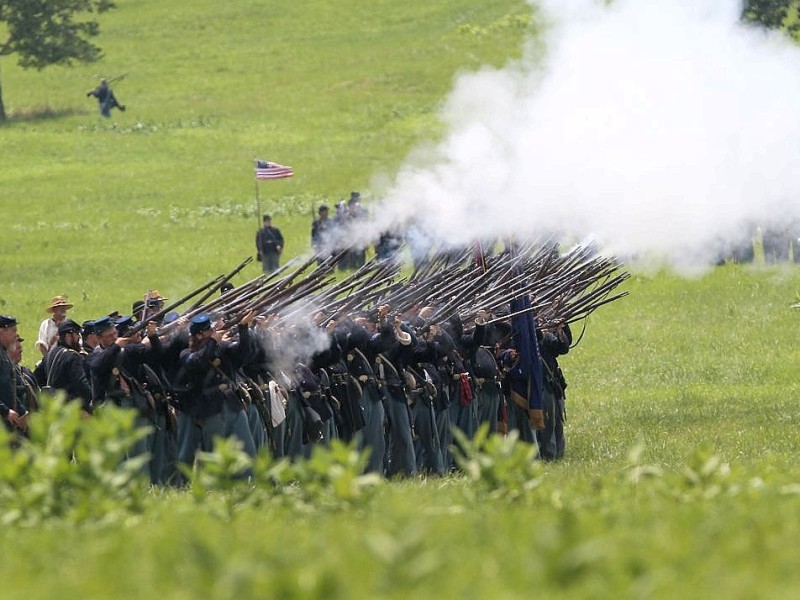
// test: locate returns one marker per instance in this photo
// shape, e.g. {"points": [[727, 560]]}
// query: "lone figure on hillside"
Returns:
{"points": [[269, 244], [105, 98]]}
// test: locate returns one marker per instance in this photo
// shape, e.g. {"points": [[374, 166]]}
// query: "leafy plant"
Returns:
{"points": [[503, 467], [225, 470], [332, 478], [72, 468]]}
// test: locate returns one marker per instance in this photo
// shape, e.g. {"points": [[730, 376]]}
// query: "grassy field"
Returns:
{"points": [[681, 478], [163, 195]]}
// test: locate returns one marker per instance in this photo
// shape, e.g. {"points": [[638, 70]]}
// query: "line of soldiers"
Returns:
{"points": [[396, 382], [330, 234]]}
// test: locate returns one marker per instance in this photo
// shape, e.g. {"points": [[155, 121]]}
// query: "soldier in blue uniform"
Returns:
{"points": [[372, 434], [553, 344], [269, 245], [64, 366], [428, 386], [344, 390], [12, 391], [353, 338], [114, 366], [390, 349], [321, 231], [356, 214], [463, 404], [485, 375], [212, 400], [105, 98]]}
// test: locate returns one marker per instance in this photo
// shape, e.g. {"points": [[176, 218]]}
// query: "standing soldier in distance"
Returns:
{"points": [[320, 232], [355, 214], [269, 244]]}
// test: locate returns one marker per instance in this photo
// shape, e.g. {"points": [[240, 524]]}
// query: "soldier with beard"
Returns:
{"points": [[48, 330], [64, 366]]}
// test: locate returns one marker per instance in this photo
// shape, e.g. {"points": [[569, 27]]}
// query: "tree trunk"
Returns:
{"points": [[2, 108]]}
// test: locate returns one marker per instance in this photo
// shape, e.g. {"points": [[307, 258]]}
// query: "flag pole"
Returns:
{"points": [[269, 170]]}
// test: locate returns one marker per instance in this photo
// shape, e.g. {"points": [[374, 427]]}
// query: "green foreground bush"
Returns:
{"points": [[320, 529]]}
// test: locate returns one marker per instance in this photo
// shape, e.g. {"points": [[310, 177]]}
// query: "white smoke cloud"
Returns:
{"points": [[656, 127], [297, 340]]}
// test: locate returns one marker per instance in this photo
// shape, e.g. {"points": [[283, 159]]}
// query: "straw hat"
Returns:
{"points": [[59, 301], [154, 297]]}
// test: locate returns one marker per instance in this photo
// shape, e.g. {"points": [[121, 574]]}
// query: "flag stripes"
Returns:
{"points": [[271, 170]]}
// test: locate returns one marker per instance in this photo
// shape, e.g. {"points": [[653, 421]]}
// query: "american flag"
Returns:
{"points": [[271, 170]]}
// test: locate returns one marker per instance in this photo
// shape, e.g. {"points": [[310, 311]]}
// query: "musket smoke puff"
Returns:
{"points": [[657, 128]]}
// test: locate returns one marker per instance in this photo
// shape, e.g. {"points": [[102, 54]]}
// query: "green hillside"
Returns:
{"points": [[163, 195]]}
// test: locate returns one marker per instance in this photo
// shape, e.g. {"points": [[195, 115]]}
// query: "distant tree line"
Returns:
{"points": [[775, 14]]}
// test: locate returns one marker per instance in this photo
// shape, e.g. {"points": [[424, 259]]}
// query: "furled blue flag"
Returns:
{"points": [[526, 387], [480, 257]]}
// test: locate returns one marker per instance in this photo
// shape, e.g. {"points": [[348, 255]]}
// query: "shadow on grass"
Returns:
{"points": [[41, 113]]}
